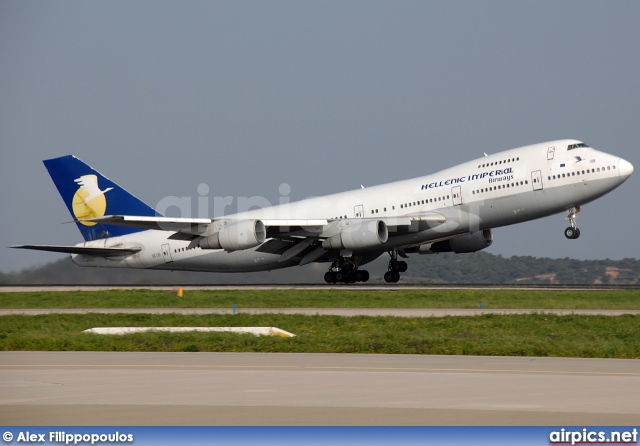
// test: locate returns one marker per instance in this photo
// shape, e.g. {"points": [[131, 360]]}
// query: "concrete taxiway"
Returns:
{"points": [[398, 312], [100, 388]]}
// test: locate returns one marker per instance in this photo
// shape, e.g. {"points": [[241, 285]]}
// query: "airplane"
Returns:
{"points": [[453, 210]]}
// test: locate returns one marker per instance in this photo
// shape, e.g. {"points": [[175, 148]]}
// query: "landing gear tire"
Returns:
{"points": [[572, 233], [345, 270], [391, 277], [395, 268]]}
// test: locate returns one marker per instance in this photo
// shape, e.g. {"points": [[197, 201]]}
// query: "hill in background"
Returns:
{"points": [[478, 268]]}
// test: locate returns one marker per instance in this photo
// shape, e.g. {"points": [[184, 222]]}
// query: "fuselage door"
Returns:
{"points": [[456, 193], [359, 211], [166, 253], [536, 180], [551, 151]]}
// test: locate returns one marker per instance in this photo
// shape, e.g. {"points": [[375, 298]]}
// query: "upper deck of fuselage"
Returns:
{"points": [[519, 161]]}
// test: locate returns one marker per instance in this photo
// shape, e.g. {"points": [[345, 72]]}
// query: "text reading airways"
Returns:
{"points": [[478, 176]]}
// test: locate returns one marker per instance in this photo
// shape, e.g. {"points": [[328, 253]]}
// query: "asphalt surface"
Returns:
{"points": [[113, 388], [357, 287]]}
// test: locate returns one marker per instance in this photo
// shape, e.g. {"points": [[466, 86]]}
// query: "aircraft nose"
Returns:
{"points": [[625, 168]]}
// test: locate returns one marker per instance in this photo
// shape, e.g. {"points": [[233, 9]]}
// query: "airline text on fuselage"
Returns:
{"points": [[478, 176]]}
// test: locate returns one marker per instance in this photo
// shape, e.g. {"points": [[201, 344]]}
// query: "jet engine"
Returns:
{"points": [[462, 244], [244, 234], [363, 235]]}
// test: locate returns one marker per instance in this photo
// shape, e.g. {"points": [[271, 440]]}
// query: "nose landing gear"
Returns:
{"points": [[572, 232]]}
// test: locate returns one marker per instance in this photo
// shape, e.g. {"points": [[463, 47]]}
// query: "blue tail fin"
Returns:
{"points": [[88, 194]]}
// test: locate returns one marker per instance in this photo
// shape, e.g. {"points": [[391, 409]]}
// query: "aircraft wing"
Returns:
{"points": [[195, 226], [100, 252], [199, 226]]}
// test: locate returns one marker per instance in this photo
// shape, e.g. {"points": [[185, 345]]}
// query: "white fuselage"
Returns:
{"points": [[502, 189]]}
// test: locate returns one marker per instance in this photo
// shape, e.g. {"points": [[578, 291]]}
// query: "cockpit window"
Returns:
{"points": [[576, 146]]}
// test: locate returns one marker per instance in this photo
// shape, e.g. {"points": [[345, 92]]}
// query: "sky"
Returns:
{"points": [[206, 99]]}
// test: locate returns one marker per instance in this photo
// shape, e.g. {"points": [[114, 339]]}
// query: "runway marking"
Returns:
{"points": [[347, 368]]}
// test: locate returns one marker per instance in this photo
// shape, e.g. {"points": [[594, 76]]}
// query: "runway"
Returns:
{"points": [[105, 388], [323, 286]]}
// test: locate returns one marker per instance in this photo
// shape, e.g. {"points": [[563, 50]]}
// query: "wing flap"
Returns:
{"points": [[194, 226], [432, 218]]}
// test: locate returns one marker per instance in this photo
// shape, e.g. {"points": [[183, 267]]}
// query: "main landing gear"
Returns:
{"points": [[395, 268], [572, 232], [345, 271]]}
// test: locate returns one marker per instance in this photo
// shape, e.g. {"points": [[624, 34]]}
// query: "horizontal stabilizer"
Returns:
{"points": [[99, 252]]}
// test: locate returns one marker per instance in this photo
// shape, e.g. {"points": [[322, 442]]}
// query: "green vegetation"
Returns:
{"points": [[511, 335], [521, 335], [438, 298]]}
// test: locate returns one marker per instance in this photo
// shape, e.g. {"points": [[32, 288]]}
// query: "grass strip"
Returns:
{"points": [[472, 298], [512, 335]]}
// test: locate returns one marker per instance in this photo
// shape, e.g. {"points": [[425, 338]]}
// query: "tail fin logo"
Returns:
{"points": [[89, 201]]}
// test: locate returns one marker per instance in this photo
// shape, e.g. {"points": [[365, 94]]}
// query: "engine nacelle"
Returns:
{"points": [[236, 236], [460, 245], [364, 235]]}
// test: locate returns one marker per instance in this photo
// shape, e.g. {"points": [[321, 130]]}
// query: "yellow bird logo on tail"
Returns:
{"points": [[89, 201]]}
